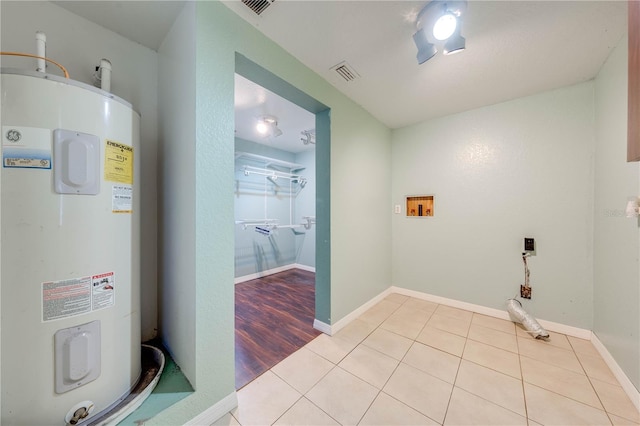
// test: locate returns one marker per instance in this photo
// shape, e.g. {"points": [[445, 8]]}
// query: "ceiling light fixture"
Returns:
{"points": [[267, 126], [308, 136], [439, 23]]}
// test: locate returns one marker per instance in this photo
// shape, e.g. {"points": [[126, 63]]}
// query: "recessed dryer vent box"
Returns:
{"points": [[420, 206]]}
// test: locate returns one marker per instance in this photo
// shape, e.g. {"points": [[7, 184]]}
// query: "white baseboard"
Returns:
{"points": [[272, 271], [496, 313], [305, 267], [322, 326], [334, 328], [626, 384], [213, 413]]}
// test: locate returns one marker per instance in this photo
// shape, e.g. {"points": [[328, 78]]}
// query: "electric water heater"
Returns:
{"points": [[69, 277]]}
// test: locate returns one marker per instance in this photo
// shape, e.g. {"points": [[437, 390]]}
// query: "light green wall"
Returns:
{"points": [[306, 206], [177, 192], [257, 197], [501, 173], [616, 247], [360, 193]]}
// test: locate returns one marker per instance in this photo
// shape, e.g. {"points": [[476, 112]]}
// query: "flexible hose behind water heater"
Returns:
{"points": [[517, 313]]}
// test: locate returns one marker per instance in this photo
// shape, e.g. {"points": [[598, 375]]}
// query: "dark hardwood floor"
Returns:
{"points": [[274, 318]]}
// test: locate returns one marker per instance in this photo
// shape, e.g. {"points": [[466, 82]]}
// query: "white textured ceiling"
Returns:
{"points": [[514, 48], [145, 22], [253, 102]]}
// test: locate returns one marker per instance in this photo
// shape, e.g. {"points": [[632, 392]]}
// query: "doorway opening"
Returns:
{"points": [[275, 235]]}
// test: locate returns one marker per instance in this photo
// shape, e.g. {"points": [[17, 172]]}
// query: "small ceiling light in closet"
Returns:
{"points": [[267, 126]]}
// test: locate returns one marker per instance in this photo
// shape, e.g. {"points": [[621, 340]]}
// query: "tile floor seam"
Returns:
{"points": [[319, 408], [490, 401], [524, 394], [591, 383], [446, 411], [311, 387], [554, 365], [572, 399], [405, 404], [370, 405], [493, 329], [609, 413], [287, 410], [569, 397]]}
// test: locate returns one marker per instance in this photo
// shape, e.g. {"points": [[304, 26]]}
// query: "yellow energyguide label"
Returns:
{"points": [[118, 162]]}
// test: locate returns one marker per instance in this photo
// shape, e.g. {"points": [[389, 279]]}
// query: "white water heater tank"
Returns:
{"points": [[69, 273]]}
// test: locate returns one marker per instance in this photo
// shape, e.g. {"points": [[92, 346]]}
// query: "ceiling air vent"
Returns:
{"points": [[345, 71], [258, 6]]}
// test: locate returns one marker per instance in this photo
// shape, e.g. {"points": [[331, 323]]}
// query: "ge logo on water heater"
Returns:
{"points": [[14, 135]]}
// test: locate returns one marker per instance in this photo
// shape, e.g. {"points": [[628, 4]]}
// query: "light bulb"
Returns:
{"points": [[262, 127], [445, 26]]}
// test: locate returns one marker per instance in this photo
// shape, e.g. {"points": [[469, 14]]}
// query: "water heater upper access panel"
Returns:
{"points": [[76, 162]]}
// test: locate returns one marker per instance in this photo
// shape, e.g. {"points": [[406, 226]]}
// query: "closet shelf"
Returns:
{"points": [[267, 223], [274, 174], [269, 162], [273, 223]]}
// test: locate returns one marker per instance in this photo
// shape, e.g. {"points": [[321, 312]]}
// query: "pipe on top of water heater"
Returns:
{"points": [[41, 51], [105, 75], [41, 55]]}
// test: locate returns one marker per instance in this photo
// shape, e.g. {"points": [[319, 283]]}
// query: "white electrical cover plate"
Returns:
{"points": [[77, 356], [76, 162]]}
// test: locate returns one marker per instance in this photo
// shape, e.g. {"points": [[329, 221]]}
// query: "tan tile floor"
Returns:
{"points": [[410, 362]]}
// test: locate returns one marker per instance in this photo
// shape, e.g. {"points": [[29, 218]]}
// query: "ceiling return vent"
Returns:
{"points": [[258, 6], [345, 71]]}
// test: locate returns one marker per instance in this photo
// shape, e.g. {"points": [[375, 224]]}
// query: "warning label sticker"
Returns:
{"points": [[118, 162], [68, 298], [121, 199], [103, 294], [62, 299]]}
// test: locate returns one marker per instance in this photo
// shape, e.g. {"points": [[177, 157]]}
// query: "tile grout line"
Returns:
{"points": [[524, 393], [591, 383], [453, 386], [394, 370]]}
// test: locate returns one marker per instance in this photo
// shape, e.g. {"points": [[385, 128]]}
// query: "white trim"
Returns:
{"points": [[213, 413], [272, 271], [626, 384], [496, 313], [334, 328], [305, 267], [322, 326], [265, 273]]}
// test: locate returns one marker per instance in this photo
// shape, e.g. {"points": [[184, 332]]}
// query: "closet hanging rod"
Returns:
{"points": [[269, 223], [269, 162], [273, 174]]}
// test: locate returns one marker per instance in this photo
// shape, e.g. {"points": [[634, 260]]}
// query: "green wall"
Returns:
{"points": [[616, 320], [358, 181], [501, 173]]}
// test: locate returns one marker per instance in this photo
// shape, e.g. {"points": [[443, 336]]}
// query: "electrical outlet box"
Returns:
{"points": [[529, 245]]}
